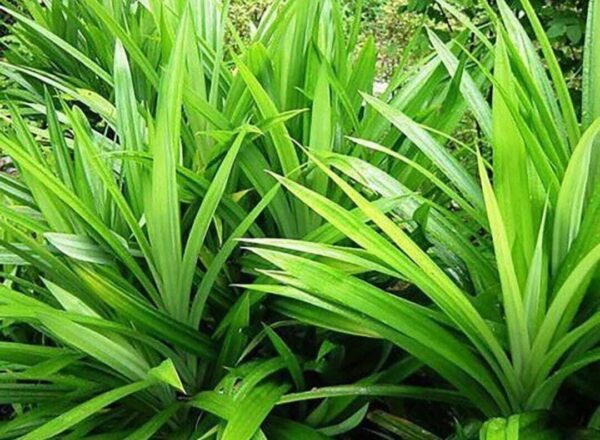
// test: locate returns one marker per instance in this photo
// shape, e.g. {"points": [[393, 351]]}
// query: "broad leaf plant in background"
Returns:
{"points": [[207, 234]]}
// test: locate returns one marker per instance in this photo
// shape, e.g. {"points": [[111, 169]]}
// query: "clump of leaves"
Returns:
{"points": [[146, 146], [541, 215]]}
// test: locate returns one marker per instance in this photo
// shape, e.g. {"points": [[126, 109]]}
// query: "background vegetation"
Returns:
{"points": [[394, 22]]}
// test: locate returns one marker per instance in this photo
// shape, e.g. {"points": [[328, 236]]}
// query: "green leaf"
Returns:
{"points": [[285, 429], [512, 296], [252, 410], [591, 69], [288, 357], [468, 88], [129, 127], [235, 339], [146, 317], [117, 357], [381, 390], [54, 39], [321, 126], [224, 253], [162, 203], [511, 175], [152, 426], [167, 373], [572, 196], [346, 425], [69, 301], [219, 404], [401, 427], [83, 411], [283, 145], [78, 247], [205, 215], [449, 165], [556, 74]]}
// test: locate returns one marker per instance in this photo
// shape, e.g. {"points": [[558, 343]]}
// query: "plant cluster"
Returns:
{"points": [[208, 233]]}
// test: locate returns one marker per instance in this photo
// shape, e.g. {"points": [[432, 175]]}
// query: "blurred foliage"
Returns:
{"points": [[565, 22], [394, 23], [245, 14]]}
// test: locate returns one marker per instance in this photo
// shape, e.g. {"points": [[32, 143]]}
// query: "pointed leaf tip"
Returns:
{"points": [[167, 374]]}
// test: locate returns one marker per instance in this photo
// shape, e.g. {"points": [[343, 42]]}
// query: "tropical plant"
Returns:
{"points": [[541, 213], [138, 169], [147, 138]]}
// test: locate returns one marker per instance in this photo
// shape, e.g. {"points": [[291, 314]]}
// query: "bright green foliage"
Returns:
{"points": [[545, 257], [146, 147]]}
